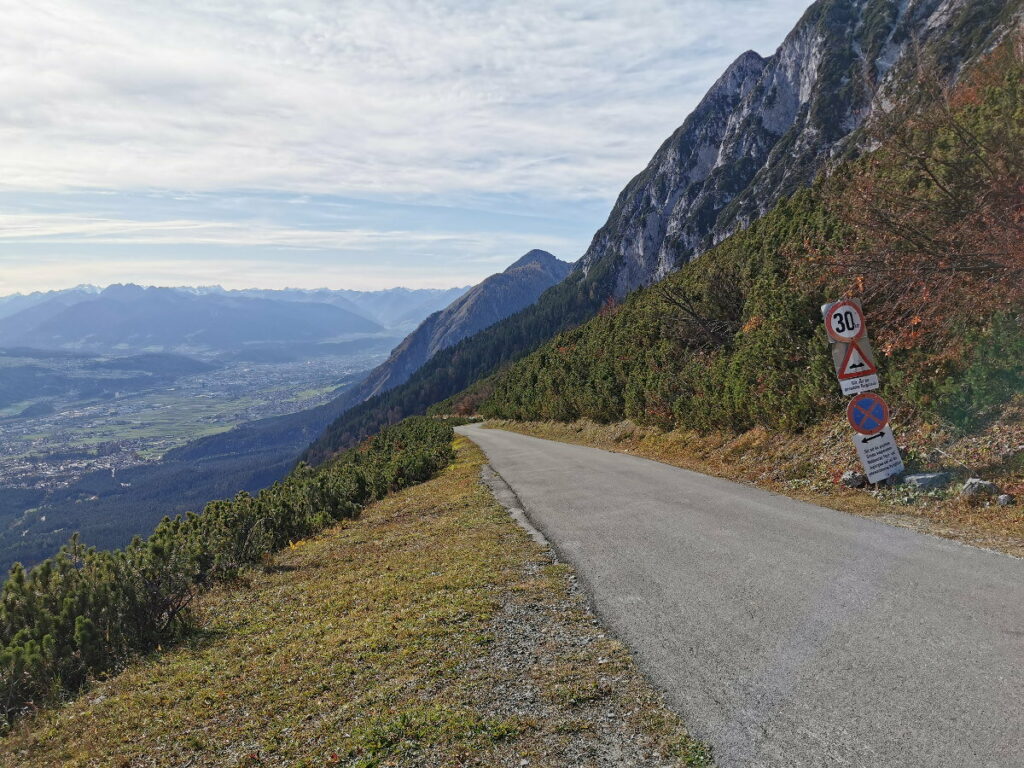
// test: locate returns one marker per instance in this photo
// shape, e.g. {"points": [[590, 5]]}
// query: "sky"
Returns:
{"points": [[329, 143]]}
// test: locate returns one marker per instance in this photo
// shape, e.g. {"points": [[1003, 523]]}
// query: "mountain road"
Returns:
{"points": [[784, 634]]}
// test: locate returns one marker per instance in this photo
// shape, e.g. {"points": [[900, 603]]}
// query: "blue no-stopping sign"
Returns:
{"points": [[868, 413]]}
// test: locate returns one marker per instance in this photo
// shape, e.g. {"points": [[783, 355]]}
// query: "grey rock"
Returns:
{"points": [[853, 479], [1005, 500], [976, 488], [770, 125], [927, 481]]}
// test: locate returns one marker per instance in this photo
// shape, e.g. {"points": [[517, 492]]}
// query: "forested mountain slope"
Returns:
{"points": [[85, 612], [926, 229], [765, 129], [494, 299]]}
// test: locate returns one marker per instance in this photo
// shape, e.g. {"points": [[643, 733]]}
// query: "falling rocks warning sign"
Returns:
{"points": [[879, 454]]}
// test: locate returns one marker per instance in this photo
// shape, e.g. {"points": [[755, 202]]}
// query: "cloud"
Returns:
{"points": [[244, 271], [348, 142], [73, 228], [389, 97], [70, 228], [39, 252]]}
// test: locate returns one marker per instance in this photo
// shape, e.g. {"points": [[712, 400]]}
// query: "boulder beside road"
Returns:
{"points": [[928, 481], [976, 488], [853, 479]]}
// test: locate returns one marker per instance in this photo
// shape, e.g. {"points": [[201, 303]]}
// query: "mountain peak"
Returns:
{"points": [[122, 290], [536, 256], [746, 60], [490, 301]]}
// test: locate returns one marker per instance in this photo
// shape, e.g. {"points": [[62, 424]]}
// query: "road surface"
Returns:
{"points": [[786, 634]]}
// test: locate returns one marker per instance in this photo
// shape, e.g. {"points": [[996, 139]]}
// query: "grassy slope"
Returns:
{"points": [[807, 466], [432, 631]]}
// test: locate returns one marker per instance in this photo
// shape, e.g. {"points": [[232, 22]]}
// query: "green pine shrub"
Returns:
{"points": [[84, 612]]}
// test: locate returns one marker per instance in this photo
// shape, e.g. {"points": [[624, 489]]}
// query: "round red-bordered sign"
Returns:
{"points": [[867, 413], [844, 321]]}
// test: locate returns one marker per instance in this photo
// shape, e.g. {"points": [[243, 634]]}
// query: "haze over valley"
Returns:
{"points": [[95, 382], [124, 404]]}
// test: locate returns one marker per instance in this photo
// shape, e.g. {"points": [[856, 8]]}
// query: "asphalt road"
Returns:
{"points": [[785, 634]]}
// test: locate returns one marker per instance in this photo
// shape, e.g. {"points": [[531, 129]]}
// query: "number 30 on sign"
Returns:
{"points": [[844, 321]]}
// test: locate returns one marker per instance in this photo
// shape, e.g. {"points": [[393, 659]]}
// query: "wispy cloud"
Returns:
{"points": [[243, 272], [38, 252], [70, 228], [413, 100], [355, 97]]}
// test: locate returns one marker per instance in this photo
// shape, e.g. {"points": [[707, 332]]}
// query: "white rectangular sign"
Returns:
{"points": [[860, 384], [879, 454]]}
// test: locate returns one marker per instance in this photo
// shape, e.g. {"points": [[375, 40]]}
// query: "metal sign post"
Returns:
{"points": [[857, 372], [852, 355]]}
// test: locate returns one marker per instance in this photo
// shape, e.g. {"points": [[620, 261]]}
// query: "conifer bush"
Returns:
{"points": [[84, 611]]}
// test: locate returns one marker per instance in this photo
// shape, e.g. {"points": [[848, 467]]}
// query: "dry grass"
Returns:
{"points": [[808, 467], [430, 632]]}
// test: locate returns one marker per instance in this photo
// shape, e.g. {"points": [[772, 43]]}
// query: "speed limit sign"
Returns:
{"points": [[844, 321]]}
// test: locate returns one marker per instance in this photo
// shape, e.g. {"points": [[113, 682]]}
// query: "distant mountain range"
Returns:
{"points": [[134, 318], [402, 308], [257, 453], [16, 302], [396, 309]]}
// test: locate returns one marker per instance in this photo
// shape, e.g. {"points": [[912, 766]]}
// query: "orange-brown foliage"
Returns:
{"points": [[938, 212]]}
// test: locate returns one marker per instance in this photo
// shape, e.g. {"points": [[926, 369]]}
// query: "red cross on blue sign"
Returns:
{"points": [[868, 413]]}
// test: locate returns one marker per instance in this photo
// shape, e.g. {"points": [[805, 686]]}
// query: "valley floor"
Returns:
{"points": [[430, 632], [808, 467]]}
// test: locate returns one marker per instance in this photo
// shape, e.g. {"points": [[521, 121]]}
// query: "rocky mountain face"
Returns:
{"points": [[770, 125], [485, 304]]}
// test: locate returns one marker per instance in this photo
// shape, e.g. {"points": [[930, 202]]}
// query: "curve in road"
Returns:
{"points": [[786, 634]]}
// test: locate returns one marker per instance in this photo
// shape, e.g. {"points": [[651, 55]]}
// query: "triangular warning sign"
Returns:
{"points": [[856, 363]]}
